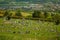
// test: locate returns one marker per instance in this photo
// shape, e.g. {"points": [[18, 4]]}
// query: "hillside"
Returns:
{"points": [[30, 1]]}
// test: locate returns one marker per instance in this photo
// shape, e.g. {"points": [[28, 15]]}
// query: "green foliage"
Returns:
{"points": [[29, 16], [36, 14], [56, 18], [8, 17], [6, 37], [46, 14], [6, 13], [18, 13], [42, 15]]}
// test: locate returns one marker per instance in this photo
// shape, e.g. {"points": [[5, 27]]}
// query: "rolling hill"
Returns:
{"points": [[30, 1]]}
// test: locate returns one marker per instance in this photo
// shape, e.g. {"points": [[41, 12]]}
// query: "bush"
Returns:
{"points": [[8, 17]]}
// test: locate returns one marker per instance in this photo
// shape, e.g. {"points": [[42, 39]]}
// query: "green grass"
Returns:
{"points": [[19, 29]]}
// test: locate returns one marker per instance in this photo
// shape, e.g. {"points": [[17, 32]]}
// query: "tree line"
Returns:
{"points": [[41, 15]]}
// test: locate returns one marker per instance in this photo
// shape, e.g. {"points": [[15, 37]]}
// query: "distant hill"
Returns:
{"points": [[31, 1]]}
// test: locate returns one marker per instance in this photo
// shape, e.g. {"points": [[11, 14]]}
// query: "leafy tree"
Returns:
{"points": [[18, 13], [57, 22], [7, 15], [36, 14], [46, 14], [56, 18]]}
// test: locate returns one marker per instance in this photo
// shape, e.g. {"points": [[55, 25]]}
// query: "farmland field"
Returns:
{"points": [[22, 29]]}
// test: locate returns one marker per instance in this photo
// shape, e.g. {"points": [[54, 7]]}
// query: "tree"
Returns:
{"points": [[7, 15], [46, 14], [18, 13], [56, 18], [57, 22], [36, 14]]}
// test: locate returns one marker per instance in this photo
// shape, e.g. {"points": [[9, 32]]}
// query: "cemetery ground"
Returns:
{"points": [[22, 29]]}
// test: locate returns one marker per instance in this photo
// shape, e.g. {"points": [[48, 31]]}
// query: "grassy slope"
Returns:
{"points": [[38, 30]]}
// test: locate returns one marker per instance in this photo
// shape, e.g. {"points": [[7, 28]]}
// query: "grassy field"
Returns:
{"points": [[22, 29]]}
